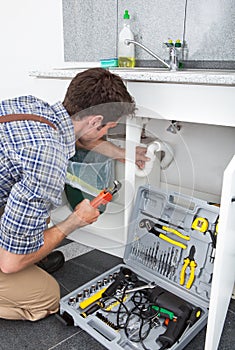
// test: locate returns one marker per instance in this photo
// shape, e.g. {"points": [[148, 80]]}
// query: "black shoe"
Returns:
{"points": [[52, 262]]}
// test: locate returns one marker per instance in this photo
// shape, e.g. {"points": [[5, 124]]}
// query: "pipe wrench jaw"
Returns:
{"points": [[148, 224], [106, 195], [116, 187]]}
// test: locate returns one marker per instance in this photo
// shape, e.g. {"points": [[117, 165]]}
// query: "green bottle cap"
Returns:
{"points": [[177, 43], [126, 15]]}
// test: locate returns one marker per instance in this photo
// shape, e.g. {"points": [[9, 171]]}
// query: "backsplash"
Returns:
{"points": [[91, 27]]}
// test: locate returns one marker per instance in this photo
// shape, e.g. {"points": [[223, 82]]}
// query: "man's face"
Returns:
{"points": [[96, 130]]}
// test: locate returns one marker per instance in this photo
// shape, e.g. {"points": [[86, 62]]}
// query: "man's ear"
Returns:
{"points": [[95, 121]]}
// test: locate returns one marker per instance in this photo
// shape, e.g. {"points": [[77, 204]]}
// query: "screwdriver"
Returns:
{"points": [[195, 315]]}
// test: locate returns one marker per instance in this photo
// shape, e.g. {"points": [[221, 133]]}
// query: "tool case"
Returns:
{"points": [[159, 297]]}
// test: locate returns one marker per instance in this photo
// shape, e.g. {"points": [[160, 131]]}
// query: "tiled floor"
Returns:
{"points": [[51, 333]]}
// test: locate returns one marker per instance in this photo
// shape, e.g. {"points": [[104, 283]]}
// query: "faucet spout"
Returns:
{"points": [[128, 42], [173, 61]]}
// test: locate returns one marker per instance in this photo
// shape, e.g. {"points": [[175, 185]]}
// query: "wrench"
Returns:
{"points": [[150, 285]]}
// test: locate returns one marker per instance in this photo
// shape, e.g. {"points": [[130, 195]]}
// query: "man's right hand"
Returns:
{"points": [[85, 213]]}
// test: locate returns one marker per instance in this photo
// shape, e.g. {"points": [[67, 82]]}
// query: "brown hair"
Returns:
{"points": [[98, 91]]}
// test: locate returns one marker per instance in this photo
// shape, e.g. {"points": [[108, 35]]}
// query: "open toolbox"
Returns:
{"points": [[159, 297]]}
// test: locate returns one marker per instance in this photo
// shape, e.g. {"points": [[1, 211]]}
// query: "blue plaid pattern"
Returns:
{"points": [[33, 164]]}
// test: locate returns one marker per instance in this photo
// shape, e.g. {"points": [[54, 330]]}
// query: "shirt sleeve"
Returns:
{"points": [[41, 172]]}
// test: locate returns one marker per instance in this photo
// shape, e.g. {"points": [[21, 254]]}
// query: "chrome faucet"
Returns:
{"points": [[173, 64]]}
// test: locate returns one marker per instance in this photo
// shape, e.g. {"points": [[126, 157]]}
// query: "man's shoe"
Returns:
{"points": [[52, 262]]}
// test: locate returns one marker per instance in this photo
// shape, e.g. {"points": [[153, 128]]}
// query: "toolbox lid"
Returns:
{"points": [[172, 237]]}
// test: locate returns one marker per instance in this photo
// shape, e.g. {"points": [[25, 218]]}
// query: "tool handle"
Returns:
{"points": [[93, 308], [172, 241], [103, 198], [183, 270], [173, 332], [193, 265], [175, 232], [87, 302], [195, 315]]}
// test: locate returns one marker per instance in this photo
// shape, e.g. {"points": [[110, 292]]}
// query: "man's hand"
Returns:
{"points": [[85, 214], [108, 149], [140, 157]]}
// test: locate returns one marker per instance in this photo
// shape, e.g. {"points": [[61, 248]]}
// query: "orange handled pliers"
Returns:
{"points": [[189, 262], [106, 195]]}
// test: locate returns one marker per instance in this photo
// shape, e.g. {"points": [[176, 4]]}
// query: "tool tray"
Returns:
{"points": [[170, 254]]}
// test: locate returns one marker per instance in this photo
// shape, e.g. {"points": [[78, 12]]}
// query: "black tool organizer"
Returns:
{"points": [[159, 298]]}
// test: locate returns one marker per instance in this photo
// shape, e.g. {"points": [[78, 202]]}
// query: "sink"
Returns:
{"points": [[146, 69], [140, 69], [209, 71], [180, 71]]}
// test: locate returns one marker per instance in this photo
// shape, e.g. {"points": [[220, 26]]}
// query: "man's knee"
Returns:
{"points": [[37, 295]]}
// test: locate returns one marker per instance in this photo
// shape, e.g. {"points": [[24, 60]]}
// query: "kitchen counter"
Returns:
{"points": [[146, 74]]}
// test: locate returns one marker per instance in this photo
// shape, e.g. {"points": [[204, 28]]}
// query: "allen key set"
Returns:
{"points": [[159, 298]]}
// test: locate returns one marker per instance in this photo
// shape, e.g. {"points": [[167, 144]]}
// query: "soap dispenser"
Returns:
{"points": [[126, 53]]}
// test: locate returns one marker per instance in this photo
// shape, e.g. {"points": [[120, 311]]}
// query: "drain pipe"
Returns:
{"points": [[153, 149]]}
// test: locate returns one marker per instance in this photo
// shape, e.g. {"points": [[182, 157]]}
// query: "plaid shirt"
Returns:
{"points": [[33, 164]]}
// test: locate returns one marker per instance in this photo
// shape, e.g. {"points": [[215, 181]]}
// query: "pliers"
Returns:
{"points": [[189, 262], [151, 227], [173, 230]]}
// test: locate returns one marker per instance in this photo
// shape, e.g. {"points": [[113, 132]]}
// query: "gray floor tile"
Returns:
{"points": [[81, 341], [40, 335], [82, 269]]}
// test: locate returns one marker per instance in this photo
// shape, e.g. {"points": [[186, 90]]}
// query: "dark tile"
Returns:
{"points": [[40, 335], [84, 268], [197, 342], [81, 341], [232, 305], [98, 261], [72, 276]]}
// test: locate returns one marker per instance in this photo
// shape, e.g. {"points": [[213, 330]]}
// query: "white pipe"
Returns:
{"points": [[153, 148]]}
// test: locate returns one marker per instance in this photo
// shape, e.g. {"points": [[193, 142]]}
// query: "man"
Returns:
{"points": [[33, 163]]}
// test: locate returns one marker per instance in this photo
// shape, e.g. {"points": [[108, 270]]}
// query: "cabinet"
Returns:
{"points": [[210, 110], [204, 105]]}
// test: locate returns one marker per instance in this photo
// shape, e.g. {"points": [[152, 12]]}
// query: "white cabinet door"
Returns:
{"points": [[224, 268]]}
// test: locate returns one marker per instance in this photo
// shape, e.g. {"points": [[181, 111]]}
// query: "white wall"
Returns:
{"points": [[31, 34]]}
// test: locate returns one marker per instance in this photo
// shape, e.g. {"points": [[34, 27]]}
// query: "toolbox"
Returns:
{"points": [[159, 297]]}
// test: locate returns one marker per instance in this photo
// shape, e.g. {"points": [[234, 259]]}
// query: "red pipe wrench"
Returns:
{"points": [[106, 195]]}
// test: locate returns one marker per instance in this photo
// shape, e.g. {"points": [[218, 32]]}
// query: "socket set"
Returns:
{"points": [[159, 298]]}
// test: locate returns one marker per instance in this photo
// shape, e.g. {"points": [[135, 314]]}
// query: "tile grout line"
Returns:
{"points": [[64, 340]]}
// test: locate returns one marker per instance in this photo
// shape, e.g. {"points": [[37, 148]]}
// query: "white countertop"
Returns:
{"points": [[162, 75]]}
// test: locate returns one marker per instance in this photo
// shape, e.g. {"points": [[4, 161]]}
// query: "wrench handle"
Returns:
{"points": [[103, 198]]}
